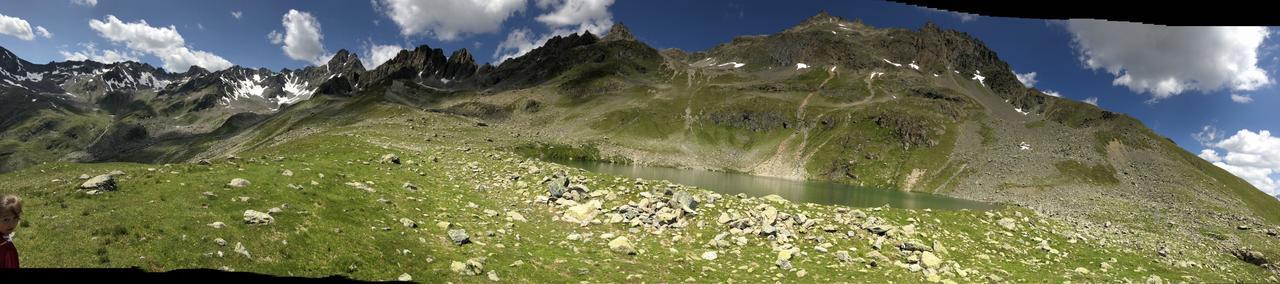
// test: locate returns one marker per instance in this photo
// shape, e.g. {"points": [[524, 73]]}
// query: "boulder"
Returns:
{"points": [[101, 182], [255, 217], [582, 213], [684, 201], [557, 187], [929, 260], [622, 245]]}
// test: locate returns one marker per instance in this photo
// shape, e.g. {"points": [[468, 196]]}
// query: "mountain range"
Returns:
{"points": [[929, 110]]}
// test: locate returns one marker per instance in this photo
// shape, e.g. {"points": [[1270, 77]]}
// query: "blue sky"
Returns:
{"points": [[1211, 64]]}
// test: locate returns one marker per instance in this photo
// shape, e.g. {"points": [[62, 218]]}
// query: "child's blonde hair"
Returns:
{"points": [[12, 204]]}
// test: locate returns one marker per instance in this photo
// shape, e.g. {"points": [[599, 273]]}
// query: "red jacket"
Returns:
{"points": [[8, 255]]}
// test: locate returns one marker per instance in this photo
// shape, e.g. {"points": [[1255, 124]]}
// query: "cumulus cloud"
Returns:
{"points": [[88, 3], [1028, 79], [448, 19], [1252, 156], [563, 18], [91, 52], [1091, 100], [1244, 99], [301, 38], [376, 54], [162, 42], [16, 27], [1167, 61], [237, 14]]}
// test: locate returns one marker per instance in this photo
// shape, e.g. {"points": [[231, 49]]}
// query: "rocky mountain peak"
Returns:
{"points": [[619, 31], [822, 18], [345, 61], [460, 65]]}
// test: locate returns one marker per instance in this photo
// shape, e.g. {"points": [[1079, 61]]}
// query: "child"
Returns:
{"points": [[10, 212]]}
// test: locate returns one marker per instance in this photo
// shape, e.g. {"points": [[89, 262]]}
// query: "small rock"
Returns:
{"points": [[287, 173], [493, 276], [221, 242], [843, 256], [242, 251], [238, 182], [471, 267], [409, 186], [390, 159], [709, 255], [622, 245], [217, 225], [1007, 223], [459, 236], [516, 216], [408, 223], [275, 211], [255, 217], [404, 277]]}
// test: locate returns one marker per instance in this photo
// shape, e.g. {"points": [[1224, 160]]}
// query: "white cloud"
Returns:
{"points": [[565, 17], [448, 19], [1028, 79], [275, 37], [43, 32], [1210, 155], [1252, 156], [162, 42], [575, 12], [1208, 135], [1167, 61], [91, 52], [1091, 100], [301, 38], [1244, 99], [237, 14], [963, 17], [16, 27], [1055, 94], [376, 54], [518, 42], [89, 3]]}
